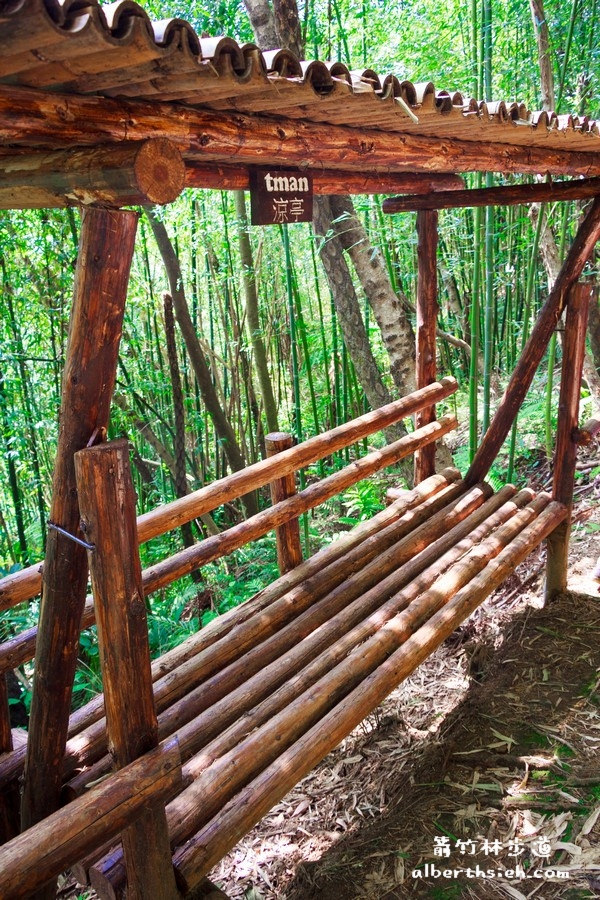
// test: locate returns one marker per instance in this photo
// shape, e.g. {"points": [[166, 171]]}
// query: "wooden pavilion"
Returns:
{"points": [[102, 108]]}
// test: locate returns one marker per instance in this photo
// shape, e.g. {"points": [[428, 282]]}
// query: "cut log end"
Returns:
{"points": [[160, 171]]}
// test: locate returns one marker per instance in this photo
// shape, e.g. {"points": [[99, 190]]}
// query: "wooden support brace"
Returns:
{"points": [[150, 171], [427, 310], [581, 248], [107, 503], [105, 253], [504, 195], [289, 548], [565, 452]]}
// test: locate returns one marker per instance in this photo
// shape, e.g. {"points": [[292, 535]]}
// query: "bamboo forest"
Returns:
{"points": [[241, 341], [271, 344]]}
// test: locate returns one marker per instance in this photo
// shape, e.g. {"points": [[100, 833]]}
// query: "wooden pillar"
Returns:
{"points": [[565, 452], [427, 311], [9, 800], [105, 253], [581, 248], [289, 548], [107, 503]]}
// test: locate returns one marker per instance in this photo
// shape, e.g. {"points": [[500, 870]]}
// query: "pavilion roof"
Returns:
{"points": [[78, 47]]}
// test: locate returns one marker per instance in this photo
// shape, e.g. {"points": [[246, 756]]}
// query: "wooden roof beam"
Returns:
{"points": [[326, 181], [503, 195], [148, 171], [36, 119]]}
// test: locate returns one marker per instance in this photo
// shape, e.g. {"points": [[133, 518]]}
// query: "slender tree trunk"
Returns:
{"points": [[542, 36], [396, 331], [347, 307], [252, 315], [281, 28], [221, 423]]}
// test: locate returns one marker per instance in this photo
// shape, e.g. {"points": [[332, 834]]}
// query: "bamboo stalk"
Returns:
{"points": [[34, 857], [253, 801], [27, 583]]}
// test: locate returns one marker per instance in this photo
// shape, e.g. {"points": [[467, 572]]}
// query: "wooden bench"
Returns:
{"points": [[260, 695]]}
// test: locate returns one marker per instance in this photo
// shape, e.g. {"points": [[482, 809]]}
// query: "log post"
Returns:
{"points": [[105, 253], [9, 800], [581, 248], [565, 452], [107, 503], [427, 310], [289, 549]]}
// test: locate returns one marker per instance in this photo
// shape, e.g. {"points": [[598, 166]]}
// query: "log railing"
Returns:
{"points": [[117, 576], [23, 585], [26, 583]]}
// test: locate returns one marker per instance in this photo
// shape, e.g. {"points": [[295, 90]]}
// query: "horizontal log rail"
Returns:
{"points": [[503, 195], [29, 860], [183, 669], [587, 433], [259, 646], [219, 545], [21, 648], [26, 583]]}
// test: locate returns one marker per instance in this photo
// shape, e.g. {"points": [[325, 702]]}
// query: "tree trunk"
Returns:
{"points": [[222, 425], [252, 315], [281, 28], [396, 331], [348, 310]]}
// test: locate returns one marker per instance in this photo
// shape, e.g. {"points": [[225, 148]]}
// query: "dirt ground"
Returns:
{"points": [[487, 760]]}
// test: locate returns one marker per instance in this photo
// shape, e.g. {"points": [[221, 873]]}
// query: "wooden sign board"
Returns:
{"points": [[280, 196]]}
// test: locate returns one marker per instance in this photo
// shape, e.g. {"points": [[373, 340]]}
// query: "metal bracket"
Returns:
{"points": [[71, 537]]}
